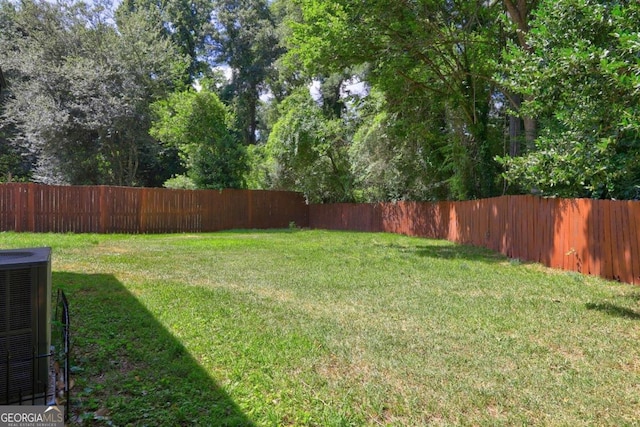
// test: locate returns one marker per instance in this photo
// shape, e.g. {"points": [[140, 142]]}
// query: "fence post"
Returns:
{"points": [[31, 207], [103, 206], [249, 209], [17, 196], [142, 214]]}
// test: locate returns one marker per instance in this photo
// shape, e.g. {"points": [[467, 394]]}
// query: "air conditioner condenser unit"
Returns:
{"points": [[25, 324]]}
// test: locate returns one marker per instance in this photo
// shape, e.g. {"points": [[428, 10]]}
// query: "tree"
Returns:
{"points": [[3, 83], [12, 165], [197, 123], [519, 13], [81, 88], [439, 53], [247, 42], [581, 76], [186, 23], [308, 152], [399, 156]]}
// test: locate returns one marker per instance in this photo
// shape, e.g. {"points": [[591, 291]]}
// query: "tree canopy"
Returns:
{"points": [[197, 124], [80, 90], [342, 100], [582, 76]]}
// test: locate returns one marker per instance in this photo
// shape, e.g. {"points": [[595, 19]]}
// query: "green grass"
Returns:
{"points": [[337, 329]]}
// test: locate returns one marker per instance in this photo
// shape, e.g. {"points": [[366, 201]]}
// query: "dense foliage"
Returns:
{"points": [[583, 77], [79, 91], [196, 123], [342, 100]]}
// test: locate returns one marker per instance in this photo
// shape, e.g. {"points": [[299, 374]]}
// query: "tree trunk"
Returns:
{"points": [[530, 131], [519, 14], [515, 129], [3, 83]]}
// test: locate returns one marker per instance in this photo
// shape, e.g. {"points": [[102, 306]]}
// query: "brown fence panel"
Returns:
{"points": [[103, 209], [238, 205], [393, 219], [124, 207], [633, 253], [597, 237], [164, 210], [345, 216], [65, 209], [429, 220], [276, 209], [214, 217], [8, 207], [390, 220]]}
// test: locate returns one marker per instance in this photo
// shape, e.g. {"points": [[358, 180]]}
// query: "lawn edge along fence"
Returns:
{"points": [[107, 209], [595, 237]]}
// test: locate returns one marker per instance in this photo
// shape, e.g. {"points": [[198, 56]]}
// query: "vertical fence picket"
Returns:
{"points": [[596, 249], [624, 247], [618, 242], [515, 220], [634, 236], [582, 230], [557, 245], [606, 247], [569, 250]]}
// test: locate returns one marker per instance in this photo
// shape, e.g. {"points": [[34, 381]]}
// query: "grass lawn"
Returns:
{"points": [[272, 328]]}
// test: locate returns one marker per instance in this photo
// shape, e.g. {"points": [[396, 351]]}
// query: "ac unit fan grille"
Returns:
{"points": [[15, 292], [3, 302], [17, 354], [16, 333], [20, 299]]}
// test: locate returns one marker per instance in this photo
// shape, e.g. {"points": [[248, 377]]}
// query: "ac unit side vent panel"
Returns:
{"points": [[20, 299], [19, 350], [4, 287]]}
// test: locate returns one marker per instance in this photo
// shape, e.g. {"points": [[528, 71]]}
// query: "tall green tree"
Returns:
{"points": [[81, 89], [519, 13], [400, 156], [245, 40], [197, 123], [307, 151], [186, 23], [423, 52], [12, 164], [582, 79]]}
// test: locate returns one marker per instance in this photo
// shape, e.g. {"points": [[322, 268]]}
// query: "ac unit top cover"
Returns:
{"points": [[11, 258]]}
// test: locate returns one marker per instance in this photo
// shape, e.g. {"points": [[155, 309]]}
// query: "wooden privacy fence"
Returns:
{"points": [[597, 237], [102, 209]]}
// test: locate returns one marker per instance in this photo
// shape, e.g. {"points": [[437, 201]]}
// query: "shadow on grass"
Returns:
{"points": [[635, 296], [452, 251], [614, 310], [128, 369]]}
